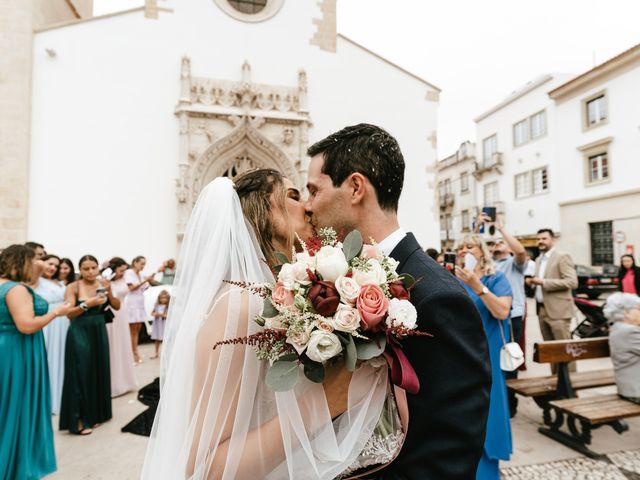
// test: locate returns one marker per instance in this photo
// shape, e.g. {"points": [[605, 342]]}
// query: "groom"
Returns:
{"points": [[355, 180]]}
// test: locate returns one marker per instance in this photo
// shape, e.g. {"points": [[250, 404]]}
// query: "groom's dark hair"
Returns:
{"points": [[368, 150]]}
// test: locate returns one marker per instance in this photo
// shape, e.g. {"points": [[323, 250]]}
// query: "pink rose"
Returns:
{"points": [[371, 251], [281, 295], [372, 304]]}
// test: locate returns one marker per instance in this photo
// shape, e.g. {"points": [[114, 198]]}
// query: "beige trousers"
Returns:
{"points": [[554, 329]]}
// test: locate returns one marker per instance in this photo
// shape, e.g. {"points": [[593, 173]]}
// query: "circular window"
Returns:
{"points": [[248, 6], [250, 10]]}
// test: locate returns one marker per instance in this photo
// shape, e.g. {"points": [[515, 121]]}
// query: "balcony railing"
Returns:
{"points": [[446, 200], [492, 164]]}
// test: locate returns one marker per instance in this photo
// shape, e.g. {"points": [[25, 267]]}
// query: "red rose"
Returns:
{"points": [[398, 291], [324, 298], [372, 304]]}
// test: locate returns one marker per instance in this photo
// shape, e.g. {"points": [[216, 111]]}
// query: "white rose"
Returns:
{"points": [[307, 259], [402, 313], [323, 345], [374, 276], [300, 340], [331, 263], [346, 319], [348, 289], [290, 273]]}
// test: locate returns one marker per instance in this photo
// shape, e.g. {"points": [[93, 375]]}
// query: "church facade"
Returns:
{"points": [[133, 113]]}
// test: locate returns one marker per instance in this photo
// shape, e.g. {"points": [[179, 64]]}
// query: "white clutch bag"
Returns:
{"points": [[511, 355]]}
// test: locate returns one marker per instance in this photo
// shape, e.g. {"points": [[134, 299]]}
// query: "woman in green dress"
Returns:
{"points": [[26, 435], [86, 393]]}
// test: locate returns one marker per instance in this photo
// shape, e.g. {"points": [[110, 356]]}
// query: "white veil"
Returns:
{"points": [[216, 418]]}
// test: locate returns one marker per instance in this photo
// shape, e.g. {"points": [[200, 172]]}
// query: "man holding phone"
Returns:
{"points": [[510, 258]]}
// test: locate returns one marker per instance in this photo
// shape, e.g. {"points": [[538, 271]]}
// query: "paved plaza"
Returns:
{"points": [[110, 454]]}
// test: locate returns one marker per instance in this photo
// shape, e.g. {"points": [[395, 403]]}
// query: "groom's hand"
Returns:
{"points": [[336, 388]]}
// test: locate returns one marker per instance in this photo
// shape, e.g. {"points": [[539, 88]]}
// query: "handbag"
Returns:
{"points": [[511, 355]]}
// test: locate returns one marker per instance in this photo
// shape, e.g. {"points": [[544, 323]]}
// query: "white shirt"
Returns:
{"points": [[388, 244], [543, 267]]}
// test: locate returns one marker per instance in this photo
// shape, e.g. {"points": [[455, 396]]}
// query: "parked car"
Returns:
{"points": [[594, 281]]}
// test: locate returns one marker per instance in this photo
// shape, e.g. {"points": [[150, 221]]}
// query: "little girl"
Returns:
{"points": [[160, 311]]}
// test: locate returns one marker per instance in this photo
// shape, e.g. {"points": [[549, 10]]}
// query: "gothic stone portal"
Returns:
{"points": [[229, 127]]}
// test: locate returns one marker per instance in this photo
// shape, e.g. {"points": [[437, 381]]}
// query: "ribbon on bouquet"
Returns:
{"points": [[402, 373]]}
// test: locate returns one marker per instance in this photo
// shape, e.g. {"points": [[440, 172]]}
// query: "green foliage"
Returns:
{"points": [[282, 376], [268, 310], [314, 371], [371, 349], [352, 245]]}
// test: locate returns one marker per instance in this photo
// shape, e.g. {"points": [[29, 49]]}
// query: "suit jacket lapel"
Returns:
{"points": [[404, 249]]}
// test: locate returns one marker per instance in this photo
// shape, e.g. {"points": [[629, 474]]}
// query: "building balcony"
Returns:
{"points": [[488, 165], [446, 201]]}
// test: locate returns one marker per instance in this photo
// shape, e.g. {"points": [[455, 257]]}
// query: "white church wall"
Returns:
{"points": [[104, 148]]}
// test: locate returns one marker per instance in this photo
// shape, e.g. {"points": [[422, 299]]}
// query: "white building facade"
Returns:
{"points": [[456, 199], [597, 151], [135, 112]]}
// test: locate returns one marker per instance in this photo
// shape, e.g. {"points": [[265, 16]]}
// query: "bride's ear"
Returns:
{"points": [[357, 185]]}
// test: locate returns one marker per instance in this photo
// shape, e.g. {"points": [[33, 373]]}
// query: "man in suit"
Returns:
{"points": [[355, 179], [554, 280]]}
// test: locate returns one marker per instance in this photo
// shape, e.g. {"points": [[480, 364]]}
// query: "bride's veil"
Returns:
{"points": [[216, 417]]}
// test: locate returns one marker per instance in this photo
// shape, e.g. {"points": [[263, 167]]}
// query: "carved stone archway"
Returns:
{"points": [[228, 127]]}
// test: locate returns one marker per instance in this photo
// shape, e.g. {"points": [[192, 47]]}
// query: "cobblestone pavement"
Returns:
{"points": [[615, 466]]}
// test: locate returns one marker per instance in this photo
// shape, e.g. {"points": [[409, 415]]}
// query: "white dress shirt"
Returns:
{"points": [[543, 267], [388, 244]]}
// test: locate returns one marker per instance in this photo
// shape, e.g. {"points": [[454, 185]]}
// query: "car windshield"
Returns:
{"points": [[585, 270]]}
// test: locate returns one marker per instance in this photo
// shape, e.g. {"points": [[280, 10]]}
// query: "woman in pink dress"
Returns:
{"points": [[123, 379], [629, 275]]}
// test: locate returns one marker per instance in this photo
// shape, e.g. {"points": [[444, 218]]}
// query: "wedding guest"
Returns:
{"points": [[433, 253], [55, 333], [66, 272], [86, 394], [37, 248], [629, 275], [168, 271], [623, 311], [26, 436], [134, 302], [160, 312], [492, 294], [123, 378]]}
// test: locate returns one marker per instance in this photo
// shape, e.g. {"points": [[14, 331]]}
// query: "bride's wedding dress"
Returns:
{"points": [[216, 417]]}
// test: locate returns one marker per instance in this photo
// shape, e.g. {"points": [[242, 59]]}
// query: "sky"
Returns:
{"points": [[479, 51]]}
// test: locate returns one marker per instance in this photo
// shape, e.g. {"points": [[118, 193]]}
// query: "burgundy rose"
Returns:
{"points": [[324, 298], [398, 291]]}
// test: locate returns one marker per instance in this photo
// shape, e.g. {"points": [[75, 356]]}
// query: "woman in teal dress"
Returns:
{"points": [[492, 294], [26, 435], [86, 393]]}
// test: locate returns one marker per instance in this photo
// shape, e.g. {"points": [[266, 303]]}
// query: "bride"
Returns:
{"points": [[216, 418]]}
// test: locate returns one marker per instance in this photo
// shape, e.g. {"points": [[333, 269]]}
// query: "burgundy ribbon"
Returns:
{"points": [[402, 373]]}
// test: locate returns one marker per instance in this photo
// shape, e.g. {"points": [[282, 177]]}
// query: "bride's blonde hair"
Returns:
{"points": [[260, 191]]}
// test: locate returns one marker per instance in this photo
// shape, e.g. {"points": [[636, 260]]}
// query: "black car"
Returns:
{"points": [[594, 281]]}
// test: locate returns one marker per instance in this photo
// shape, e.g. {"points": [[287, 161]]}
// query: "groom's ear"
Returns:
{"points": [[357, 185]]}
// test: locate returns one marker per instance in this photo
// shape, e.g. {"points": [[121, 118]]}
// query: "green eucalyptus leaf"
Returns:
{"points": [[407, 280], [314, 371], [289, 357], [352, 245], [282, 376], [268, 310], [371, 349], [350, 355], [281, 258]]}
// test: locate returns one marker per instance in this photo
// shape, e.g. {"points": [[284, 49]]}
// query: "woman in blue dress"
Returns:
{"points": [[26, 434], [491, 292], [55, 333]]}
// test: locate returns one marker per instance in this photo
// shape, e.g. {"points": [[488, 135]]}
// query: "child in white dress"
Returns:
{"points": [[160, 311]]}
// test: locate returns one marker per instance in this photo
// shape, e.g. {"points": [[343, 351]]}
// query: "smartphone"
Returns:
{"points": [[490, 212], [470, 262], [101, 291], [450, 262]]}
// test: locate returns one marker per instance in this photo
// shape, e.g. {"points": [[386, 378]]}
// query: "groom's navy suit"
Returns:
{"points": [[447, 417]]}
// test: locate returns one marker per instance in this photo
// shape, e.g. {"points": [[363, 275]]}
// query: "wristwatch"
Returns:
{"points": [[84, 306], [483, 291]]}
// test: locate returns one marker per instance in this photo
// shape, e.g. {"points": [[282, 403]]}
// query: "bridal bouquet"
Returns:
{"points": [[338, 297]]}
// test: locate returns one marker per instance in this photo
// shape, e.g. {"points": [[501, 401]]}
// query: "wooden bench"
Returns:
{"points": [[556, 394]]}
